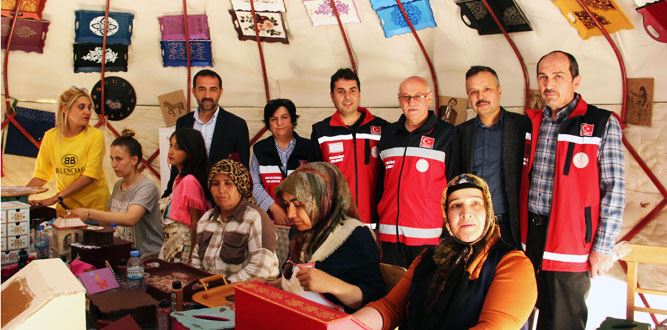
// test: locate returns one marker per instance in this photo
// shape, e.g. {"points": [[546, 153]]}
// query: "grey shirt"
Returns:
{"points": [[146, 235]]}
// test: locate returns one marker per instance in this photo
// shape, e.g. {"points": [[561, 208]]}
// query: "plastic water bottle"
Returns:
{"points": [[41, 243], [52, 243], [135, 271]]}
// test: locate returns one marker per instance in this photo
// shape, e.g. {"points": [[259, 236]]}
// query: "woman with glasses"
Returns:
{"points": [[471, 280], [331, 253], [73, 152]]}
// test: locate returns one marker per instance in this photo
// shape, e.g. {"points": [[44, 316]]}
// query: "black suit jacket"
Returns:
{"points": [[229, 137], [514, 128]]}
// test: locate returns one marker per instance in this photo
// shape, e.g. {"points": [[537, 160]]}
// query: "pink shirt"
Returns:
{"points": [[187, 193]]}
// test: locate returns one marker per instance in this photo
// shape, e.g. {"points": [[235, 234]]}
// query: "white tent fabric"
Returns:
{"points": [[300, 71]]}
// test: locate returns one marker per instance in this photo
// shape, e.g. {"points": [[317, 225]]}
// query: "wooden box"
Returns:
{"points": [[607, 12], [42, 293], [261, 306]]}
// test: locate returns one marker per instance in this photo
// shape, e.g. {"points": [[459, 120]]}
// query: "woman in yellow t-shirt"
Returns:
{"points": [[73, 151]]}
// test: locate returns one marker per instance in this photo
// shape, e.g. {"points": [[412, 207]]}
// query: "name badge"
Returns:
{"points": [[336, 147]]}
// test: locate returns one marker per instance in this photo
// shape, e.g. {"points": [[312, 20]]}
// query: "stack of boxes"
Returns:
{"points": [[15, 227]]}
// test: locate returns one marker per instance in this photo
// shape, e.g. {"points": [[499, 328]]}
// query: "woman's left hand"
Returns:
{"points": [[81, 213], [315, 280]]}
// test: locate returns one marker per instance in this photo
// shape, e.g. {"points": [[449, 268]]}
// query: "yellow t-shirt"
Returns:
{"points": [[70, 158]]}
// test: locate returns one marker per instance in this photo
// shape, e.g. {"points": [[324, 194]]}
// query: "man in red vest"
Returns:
{"points": [[572, 193]]}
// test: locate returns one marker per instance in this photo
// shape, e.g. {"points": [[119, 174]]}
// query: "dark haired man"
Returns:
{"points": [[349, 138], [225, 134], [492, 148], [572, 193]]}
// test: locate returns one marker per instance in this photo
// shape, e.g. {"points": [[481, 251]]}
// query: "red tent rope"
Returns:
{"points": [[516, 52], [654, 213], [332, 3], [186, 27], [263, 64], [426, 57]]}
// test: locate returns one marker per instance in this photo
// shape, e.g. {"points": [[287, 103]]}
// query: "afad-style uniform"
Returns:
{"points": [[70, 158], [353, 149], [271, 173], [417, 165], [575, 210]]}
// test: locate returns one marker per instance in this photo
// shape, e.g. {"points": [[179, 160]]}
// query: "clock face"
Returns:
{"points": [[119, 95]]}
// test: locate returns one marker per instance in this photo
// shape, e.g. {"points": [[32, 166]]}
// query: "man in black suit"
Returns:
{"points": [[225, 134], [492, 148]]}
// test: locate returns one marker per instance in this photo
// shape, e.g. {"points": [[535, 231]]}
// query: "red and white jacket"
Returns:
{"points": [[575, 209], [417, 166], [355, 153]]}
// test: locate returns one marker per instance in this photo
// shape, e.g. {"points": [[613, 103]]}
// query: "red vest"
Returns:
{"points": [[575, 208], [305, 151]]}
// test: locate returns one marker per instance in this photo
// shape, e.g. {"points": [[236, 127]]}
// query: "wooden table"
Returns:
{"points": [[19, 193]]}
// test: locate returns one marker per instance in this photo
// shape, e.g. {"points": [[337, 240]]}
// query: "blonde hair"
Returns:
{"points": [[65, 101]]}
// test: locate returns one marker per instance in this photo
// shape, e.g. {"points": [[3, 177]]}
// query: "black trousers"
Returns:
{"points": [[400, 254], [561, 296]]}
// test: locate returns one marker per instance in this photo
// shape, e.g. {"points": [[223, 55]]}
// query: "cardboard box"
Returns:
{"points": [[41, 293], [18, 228], [261, 306]]}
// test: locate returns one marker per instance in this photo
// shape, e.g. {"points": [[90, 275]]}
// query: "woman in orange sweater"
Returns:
{"points": [[470, 280]]}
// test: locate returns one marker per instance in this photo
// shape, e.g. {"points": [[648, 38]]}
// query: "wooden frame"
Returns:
{"points": [[648, 255]]}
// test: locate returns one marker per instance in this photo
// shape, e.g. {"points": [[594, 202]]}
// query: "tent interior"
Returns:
{"points": [[300, 71]]}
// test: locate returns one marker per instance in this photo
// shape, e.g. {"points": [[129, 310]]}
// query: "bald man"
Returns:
{"points": [[419, 153]]}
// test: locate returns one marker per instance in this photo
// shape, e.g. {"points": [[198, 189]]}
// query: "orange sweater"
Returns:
{"points": [[507, 305]]}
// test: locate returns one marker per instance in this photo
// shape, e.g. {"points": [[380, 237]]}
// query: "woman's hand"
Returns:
{"points": [[45, 202], [315, 280], [83, 214], [279, 215]]}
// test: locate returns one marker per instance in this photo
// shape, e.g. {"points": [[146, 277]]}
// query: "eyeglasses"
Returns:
{"points": [[408, 98]]}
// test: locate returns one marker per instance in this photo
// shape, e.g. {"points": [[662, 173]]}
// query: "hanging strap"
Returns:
{"points": [[332, 3], [526, 81], [426, 57], [263, 63]]}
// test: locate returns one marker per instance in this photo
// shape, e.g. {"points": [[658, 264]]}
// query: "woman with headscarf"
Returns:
{"points": [[470, 280], [336, 254], [235, 238]]}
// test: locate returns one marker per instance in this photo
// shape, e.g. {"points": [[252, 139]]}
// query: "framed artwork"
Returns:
{"points": [[172, 27], [88, 58], [36, 122], [172, 106], [321, 13], [640, 101], [260, 5], [29, 35], [393, 23], [270, 25], [535, 101], [453, 109], [173, 53], [89, 27]]}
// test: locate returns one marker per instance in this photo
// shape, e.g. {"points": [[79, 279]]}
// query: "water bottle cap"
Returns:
{"points": [[135, 253]]}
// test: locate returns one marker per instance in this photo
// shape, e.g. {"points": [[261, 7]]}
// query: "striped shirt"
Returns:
{"points": [[260, 194], [612, 173], [235, 246]]}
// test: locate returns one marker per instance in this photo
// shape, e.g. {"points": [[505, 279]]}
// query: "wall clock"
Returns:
{"points": [[120, 98]]}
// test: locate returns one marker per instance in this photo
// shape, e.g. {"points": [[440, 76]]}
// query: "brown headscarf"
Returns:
{"points": [[451, 251], [323, 190], [238, 174]]}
